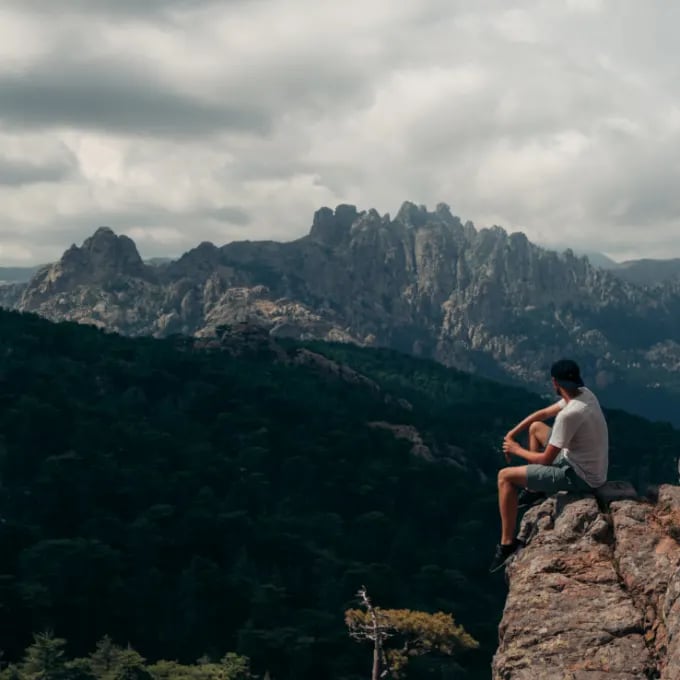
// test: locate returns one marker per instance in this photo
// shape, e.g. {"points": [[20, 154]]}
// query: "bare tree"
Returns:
{"points": [[412, 633], [370, 630]]}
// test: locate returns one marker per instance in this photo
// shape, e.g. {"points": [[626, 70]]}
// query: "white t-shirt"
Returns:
{"points": [[580, 430]]}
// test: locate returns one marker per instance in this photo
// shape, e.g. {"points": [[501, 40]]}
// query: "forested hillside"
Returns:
{"points": [[196, 501]]}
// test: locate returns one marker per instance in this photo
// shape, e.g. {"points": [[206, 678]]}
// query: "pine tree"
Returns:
{"points": [[44, 659], [105, 657], [129, 666], [398, 634]]}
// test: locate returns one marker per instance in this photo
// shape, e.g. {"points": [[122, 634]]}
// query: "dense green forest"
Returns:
{"points": [[46, 658], [196, 501]]}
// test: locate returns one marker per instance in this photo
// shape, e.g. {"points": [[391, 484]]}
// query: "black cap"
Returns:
{"points": [[567, 374]]}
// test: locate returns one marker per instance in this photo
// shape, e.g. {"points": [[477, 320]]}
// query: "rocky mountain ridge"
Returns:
{"points": [[424, 282], [595, 595]]}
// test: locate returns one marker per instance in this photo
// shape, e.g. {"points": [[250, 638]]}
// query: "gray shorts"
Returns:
{"points": [[559, 476]]}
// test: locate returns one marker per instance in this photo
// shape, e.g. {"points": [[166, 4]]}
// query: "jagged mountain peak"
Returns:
{"points": [[333, 227], [103, 232], [443, 213], [206, 247], [494, 231], [107, 250], [412, 215], [368, 218], [102, 259], [101, 256], [205, 257], [206, 253], [336, 227], [423, 282]]}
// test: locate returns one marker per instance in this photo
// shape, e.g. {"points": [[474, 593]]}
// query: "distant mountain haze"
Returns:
{"points": [[424, 283], [25, 274], [649, 272], [599, 259], [596, 258], [643, 272], [17, 274]]}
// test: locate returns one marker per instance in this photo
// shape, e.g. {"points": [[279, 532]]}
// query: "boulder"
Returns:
{"points": [[595, 595]]}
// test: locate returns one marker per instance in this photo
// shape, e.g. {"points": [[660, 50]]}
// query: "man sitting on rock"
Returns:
{"points": [[572, 456]]}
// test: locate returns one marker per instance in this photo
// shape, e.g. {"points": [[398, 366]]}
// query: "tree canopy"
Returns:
{"points": [[196, 501]]}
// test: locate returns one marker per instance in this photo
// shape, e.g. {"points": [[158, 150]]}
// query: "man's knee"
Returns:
{"points": [[537, 428], [540, 432], [515, 476]]}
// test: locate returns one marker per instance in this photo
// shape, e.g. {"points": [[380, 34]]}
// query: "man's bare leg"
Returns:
{"points": [[538, 436], [510, 480]]}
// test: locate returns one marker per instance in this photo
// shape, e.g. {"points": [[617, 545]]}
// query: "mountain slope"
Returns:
{"points": [[424, 283], [194, 497]]}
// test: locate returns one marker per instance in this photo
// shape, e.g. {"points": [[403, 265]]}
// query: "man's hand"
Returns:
{"points": [[510, 447]]}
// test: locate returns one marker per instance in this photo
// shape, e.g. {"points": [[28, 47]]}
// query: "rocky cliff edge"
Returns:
{"points": [[595, 594]]}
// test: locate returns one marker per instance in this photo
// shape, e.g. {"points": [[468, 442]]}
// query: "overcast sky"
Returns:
{"points": [[178, 121]]}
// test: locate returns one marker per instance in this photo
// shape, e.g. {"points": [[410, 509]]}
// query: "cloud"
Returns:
{"points": [[115, 8], [117, 96], [191, 120], [18, 172], [155, 231]]}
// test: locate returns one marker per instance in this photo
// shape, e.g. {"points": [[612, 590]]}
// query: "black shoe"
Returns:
{"points": [[528, 498], [503, 554]]}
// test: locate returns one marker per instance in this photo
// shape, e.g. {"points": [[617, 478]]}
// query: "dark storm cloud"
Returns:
{"points": [[149, 217], [116, 96], [161, 235]]}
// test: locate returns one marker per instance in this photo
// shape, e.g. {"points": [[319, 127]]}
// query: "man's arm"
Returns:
{"points": [[537, 416], [510, 446]]}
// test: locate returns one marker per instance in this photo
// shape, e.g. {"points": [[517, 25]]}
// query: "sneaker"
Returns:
{"points": [[503, 554], [528, 498]]}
